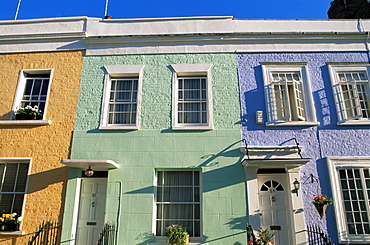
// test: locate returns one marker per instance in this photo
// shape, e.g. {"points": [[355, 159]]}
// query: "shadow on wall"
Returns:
{"points": [[42, 180], [6, 116], [146, 237], [219, 177]]}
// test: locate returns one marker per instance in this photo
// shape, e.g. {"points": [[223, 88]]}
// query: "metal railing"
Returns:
{"points": [[47, 234], [107, 235], [317, 236]]}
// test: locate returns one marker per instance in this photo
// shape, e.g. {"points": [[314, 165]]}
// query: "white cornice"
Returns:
{"points": [[182, 35]]}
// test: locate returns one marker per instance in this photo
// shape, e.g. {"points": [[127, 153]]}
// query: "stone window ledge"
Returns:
{"points": [[12, 233], [15, 123]]}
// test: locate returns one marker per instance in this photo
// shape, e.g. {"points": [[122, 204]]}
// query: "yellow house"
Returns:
{"points": [[42, 67]]}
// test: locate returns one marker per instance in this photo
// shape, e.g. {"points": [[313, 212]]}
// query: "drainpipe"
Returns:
{"points": [[119, 210]]}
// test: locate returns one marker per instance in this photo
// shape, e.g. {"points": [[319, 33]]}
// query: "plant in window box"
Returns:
{"points": [[10, 222], [321, 202], [28, 113], [177, 235]]}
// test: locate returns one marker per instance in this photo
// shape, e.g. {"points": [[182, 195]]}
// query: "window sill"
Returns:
{"points": [[12, 233], [119, 127], [24, 122], [354, 122], [192, 127], [292, 124]]}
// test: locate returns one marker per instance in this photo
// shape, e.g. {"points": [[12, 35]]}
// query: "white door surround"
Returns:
{"points": [[275, 158]]}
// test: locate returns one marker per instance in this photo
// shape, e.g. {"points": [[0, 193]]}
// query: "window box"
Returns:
{"points": [[10, 227]]}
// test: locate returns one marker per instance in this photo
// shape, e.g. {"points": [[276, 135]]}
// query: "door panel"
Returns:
{"points": [[274, 207], [91, 210]]}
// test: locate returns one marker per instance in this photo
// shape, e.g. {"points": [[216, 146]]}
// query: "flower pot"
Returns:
{"points": [[25, 117], [178, 243], [321, 208]]}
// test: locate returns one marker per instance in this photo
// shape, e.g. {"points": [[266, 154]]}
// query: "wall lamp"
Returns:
{"points": [[89, 172], [296, 185]]}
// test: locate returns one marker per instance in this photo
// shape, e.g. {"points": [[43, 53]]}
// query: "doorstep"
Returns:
{"points": [[190, 243]]}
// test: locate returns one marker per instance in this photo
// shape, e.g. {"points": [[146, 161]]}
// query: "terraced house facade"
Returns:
{"points": [[37, 71], [207, 122]]}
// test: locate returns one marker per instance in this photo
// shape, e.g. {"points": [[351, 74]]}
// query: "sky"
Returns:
{"points": [[123, 9]]}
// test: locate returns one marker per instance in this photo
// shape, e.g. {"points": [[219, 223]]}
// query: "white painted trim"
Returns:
{"points": [[15, 123], [96, 165], [115, 71], [191, 70], [267, 69], [334, 68], [76, 210], [182, 35], [292, 124], [124, 70], [333, 164], [21, 85], [296, 203]]}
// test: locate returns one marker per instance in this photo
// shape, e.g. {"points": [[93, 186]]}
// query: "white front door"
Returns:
{"points": [[91, 210], [275, 211]]}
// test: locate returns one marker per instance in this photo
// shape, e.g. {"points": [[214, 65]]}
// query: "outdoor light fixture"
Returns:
{"points": [[297, 185], [89, 172]]}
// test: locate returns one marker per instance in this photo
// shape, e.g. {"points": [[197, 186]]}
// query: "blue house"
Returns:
{"points": [[305, 103]]}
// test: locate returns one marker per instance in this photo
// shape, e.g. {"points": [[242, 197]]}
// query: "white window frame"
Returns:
{"points": [[21, 87], [308, 118], [163, 238], [191, 70], [334, 69], [13, 160], [120, 71], [334, 164]]}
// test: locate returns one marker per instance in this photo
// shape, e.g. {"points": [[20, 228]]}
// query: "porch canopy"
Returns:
{"points": [[96, 165]]}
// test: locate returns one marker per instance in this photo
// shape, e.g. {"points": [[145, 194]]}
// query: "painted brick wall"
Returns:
{"points": [[155, 146], [157, 88], [45, 144], [319, 142]]}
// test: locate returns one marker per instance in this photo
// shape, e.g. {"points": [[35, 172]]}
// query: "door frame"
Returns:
{"points": [[295, 203], [287, 191]]}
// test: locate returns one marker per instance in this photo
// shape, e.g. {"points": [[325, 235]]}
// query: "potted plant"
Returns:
{"points": [[28, 113], [10, 222], [177, 235], [321, 202], [265, 237]]}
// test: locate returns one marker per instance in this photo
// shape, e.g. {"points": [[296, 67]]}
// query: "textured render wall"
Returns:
{"points": [[45, 144], [327, 139], [156, 146]]}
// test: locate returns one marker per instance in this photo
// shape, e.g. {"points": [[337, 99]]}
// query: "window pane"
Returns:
{"points": [[178, 197], [355, 92], [357, 213], [192, 97], [123, 98]]}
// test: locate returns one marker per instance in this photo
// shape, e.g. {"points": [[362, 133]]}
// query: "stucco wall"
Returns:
{"points": [[318, 142], [155, 146], [46, 145]]}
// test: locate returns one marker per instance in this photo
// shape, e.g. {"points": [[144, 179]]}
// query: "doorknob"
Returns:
{"points": [[273, 198], [93, 204]]}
